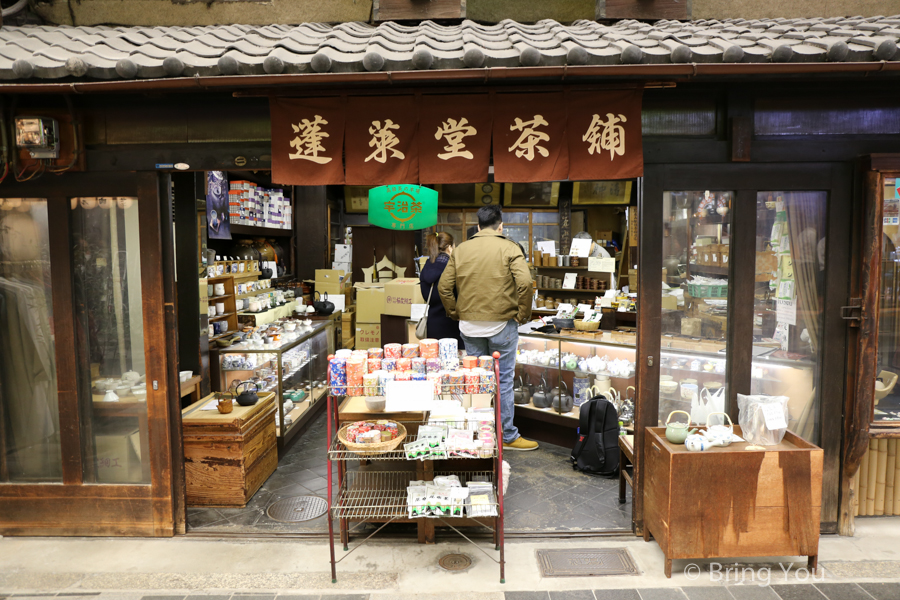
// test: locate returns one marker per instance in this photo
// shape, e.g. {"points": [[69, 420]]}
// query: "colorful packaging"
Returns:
{"points": [[448, 352], [373, 364], [337, 376], [432, 365], [370, 384], [437, 379], [418, 365], [403, 376], [429, 348], [454, 382], [486, 362], [487, 382], [410, 350], [375, 353], [469, 362], [389, 364], [472, 381], [418, 376], [404, 364], [392, 350], [355, 370]]}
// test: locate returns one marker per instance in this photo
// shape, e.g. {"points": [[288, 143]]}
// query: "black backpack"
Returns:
{"points": [[596, 450]]}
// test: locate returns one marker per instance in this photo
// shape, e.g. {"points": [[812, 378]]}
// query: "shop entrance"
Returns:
{"points": [[764, 255]]}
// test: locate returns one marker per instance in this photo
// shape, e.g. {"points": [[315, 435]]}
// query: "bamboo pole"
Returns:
{"points": [[890, 478], [873, 478], [881, 476], [854, 494], [863, 485], [897, 479]]}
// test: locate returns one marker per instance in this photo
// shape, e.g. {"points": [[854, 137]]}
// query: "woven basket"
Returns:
{"points": [[698, 290], [372, 449], [587, 325]]}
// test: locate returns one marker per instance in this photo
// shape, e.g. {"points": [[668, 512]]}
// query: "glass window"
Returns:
{"points": [[29, 413], [545, 216], [515, 217], [887, 392], [787, 326], [518, 233], [697, 237], [107, 264]]}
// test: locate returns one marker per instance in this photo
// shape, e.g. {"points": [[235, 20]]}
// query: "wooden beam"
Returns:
{"points": [[742, 290]]}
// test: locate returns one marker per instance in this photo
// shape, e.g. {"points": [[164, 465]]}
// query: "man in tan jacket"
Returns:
{"points": [[487, 287]]}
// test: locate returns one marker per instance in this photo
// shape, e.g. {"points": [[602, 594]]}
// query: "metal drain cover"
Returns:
{"points": [[454, 562], [298, 508], [586, 562]]}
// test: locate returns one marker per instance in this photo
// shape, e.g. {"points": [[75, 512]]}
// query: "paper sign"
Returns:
{"points": [[548, 247], [588, 313], [787, 267], [584, 308], [779, 205], [623, 307], [605, 302], [417, 311], [602, 265], [569, 281], [408, 396], [563, 311], [774, 415], [580, 247], [786, 312], [785, 290]]}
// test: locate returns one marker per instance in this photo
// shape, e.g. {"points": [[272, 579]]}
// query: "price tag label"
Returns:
{"points": [[602, 265], [569, 281], [774, 416], [605, 302]]}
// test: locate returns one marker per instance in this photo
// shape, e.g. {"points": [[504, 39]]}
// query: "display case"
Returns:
{"points": [[296, 371]]}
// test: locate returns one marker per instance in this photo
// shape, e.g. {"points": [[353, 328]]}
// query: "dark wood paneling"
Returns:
{"points": [[187, 266], [160, 394], [64, 339], [311, 227], [741, 292], [400, 10], [646, 9], [650, 207], [79, 516], [833, 348]]}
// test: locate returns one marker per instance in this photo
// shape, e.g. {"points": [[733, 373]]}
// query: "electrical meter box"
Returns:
{"points": [[38, 135]]}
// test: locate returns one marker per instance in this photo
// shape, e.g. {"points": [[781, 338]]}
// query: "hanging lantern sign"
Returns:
{"points": [[406, 207]]}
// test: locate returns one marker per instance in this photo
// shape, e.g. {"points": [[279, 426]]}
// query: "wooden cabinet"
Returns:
{"points": [[730, 502], [228, 457]]}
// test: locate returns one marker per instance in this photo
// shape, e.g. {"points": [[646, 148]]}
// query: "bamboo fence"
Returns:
{"points": [[877, 480]]}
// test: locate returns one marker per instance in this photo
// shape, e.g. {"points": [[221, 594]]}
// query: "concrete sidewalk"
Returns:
{"points": [[138, 568]]}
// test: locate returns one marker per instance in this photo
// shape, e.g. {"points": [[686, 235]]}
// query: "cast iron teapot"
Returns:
{"points": [[323, 306], [247, 397], [562, 400], [541, 397], [522, 393]]}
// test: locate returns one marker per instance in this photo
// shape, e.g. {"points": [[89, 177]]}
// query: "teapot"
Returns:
{"points": [[571, 362], [522, 393], [562, 401], [248, 397], [541, 397], [719, 435], [323, 306], [677, 432]]}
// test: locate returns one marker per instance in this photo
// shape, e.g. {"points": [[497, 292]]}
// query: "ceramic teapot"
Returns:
{"points": [[562, 400], [677, 432], [522, 393], [541, 397], [247, 397], [322, 305]]}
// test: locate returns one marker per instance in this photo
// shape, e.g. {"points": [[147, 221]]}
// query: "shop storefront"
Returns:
{"points": [[754, 230]]}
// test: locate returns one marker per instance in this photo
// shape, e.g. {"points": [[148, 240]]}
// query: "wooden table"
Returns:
{"points": [[191, 388], [626, 459], [227, 457], [730, 502]]}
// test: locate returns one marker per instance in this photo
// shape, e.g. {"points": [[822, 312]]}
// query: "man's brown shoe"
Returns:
{"points": [[521, 444]]}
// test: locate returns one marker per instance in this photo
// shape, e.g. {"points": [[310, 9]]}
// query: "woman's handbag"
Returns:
{"points": [[422, 325]]}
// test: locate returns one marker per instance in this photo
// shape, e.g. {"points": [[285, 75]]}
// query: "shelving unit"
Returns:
{"points": [[230, 314], [253, 230], [380, 496]]}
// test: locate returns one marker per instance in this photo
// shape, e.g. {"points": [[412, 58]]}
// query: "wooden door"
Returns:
{"points": [[823, 235], [104, 248], [396, 246]]}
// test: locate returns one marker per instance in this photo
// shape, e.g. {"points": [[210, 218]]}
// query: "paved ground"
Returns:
{"points": [[866, 567]]}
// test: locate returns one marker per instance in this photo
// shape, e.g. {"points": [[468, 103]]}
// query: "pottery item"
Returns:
{"points": [[248, 396], [571, 362], [668, 387], [219, 289], [541, 397], [254, 305], [131, 376], [562, 401], [185, 375], [671, 263], [677, 432], [522, 393], [322, 305], [140, 395], [375, 403], [290, 326], [123, 389], [581, 389], [212, 330], [110, 396], [220, 308], [225, 405], [601, 381]]}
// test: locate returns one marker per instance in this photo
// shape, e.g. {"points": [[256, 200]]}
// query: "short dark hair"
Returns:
{"points": [[490, 216]]}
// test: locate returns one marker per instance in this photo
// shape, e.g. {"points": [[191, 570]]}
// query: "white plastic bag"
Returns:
{"points": [[763, 419], [715, 403]]}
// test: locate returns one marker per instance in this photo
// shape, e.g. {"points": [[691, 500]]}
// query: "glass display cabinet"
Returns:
{"points": [[296, 370]]}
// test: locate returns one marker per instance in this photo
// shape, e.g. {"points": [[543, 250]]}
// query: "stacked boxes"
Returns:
{"points": [[259, 206]]}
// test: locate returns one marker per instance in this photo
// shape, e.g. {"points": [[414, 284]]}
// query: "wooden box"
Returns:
{"points": [[732, 502], [228, 457]]}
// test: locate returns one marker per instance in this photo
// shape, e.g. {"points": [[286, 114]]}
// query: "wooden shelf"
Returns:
{"points": [[563, 268], [222, 335], [568, 290], [260, 231], [219, 317], [707, 269], [214, 298]]}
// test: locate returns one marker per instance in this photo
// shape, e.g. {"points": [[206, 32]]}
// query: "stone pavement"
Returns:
{"points": [[866, 567]]}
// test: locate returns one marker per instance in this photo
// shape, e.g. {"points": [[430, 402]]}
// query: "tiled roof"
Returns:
{"points": [[150, 52]]}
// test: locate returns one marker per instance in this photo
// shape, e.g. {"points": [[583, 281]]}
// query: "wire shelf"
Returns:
{"points": [[381, 495], [338, 451]]}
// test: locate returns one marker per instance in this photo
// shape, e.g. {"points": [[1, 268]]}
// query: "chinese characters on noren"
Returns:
{"points": [[308, 142], [530, 138], [384, 139], [454, 132], [606, 135]]}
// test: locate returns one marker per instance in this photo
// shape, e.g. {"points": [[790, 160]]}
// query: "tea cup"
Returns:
{"points": [[220, 308], [219, 289]]}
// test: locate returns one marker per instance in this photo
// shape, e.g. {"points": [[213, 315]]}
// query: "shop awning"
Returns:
{"points": [[84, 54]]}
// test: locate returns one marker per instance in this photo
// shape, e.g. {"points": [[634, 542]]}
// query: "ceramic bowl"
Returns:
{"points": [[375, 403], [668, 387], [185, 375], [140, 395]]}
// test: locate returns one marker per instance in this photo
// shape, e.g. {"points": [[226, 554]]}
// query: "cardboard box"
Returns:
{"points": [[342, 266], [400, 295], [605, 235], [343, 253], [632, 280], [335, 276], [369, 302], [368, 335], [118, 456]]}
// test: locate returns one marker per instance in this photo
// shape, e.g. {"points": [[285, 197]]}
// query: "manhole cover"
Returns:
{"points": [[586, 562], [298, 508], [455, 562]]}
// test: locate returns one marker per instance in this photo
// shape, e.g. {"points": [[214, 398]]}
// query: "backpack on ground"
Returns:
{"points": [[596, 449]]}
